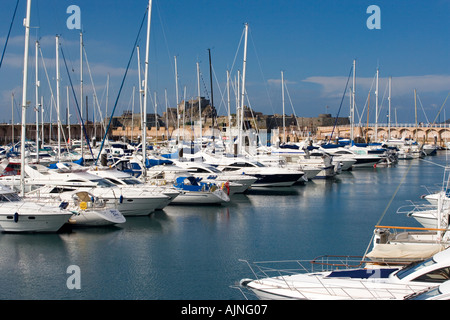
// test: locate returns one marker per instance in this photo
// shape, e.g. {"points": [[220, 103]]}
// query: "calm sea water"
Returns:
{"points": [[192, 253]]}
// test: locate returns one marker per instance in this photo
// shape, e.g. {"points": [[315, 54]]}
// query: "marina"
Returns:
{"points": [[191, 205], [196, 252]]}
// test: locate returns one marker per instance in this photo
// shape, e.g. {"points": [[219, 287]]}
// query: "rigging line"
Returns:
{"points": [[9, 32], [292, 106], [389, 204], [76, 102], [440, 109], [121, 86], [52, 99], [382, 100], [95, 91], [17, 108], [222, 93], [342, 100], [237, 50], [262, 75], [165, 38], [420, 101], [434, 163], [367, 100]]}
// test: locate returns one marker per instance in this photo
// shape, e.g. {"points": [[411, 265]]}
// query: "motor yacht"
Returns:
{"points": [[129, 201], [26, 215], [354, 283]]}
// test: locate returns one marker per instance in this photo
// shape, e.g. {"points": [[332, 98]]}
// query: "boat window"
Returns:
{"points": [[199, 170], [214, 169], [229, 169], [61, 189], [439, 276], [103, 183], [424, 295], [9, 197], [413, 268], [113, 181], [131, 181]]}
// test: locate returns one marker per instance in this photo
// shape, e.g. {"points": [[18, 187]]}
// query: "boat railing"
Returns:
{"points": [[413, 207], [266, 269], [328, 262], [263, 269]]}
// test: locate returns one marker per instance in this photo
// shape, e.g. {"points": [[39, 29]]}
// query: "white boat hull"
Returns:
{"points": [[137, 206], [29, 222], [97, 218], [200, 197]]}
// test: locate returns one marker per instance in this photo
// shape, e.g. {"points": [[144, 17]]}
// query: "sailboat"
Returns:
{"points": [[20, 214], [87, 209]]}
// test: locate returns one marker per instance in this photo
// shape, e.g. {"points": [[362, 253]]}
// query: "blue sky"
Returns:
{"points": [[312, 42]]}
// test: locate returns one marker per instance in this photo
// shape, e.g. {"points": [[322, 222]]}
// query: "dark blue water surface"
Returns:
{"points": [[192, 253]]}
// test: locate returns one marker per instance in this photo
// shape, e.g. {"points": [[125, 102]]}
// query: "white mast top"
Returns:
{"points": [[147, 50], [244, 67], [376, 108], [37, 99], [352, 108], [282, 97], [58, 97], [24, 96], [389, 113], [199, 105], [81, 95], [176, 92]]}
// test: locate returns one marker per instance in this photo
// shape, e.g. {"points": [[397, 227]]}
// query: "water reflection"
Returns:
{"points": [[193, 252]]}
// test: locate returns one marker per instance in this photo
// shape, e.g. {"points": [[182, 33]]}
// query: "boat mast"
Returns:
{"points": [[58, 97], [178, 101], [199, 105], [24, 97], [352, 107], [141, 92], [81, 96], [389, 114], [107, 98], [156, 119], [68, 115], [42, 120], [213, 117], [244, 67], [415, 109], [147, 50], [184, 112], [282, 98], [167, 115], [12, 120], [37, 101], [376, 108], [229, 112]]}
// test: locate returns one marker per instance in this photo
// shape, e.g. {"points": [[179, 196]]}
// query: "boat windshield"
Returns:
{"points": [[425, 294], [131, 181], [103, 183], [214, 169], [9, 197], [413, 268]]}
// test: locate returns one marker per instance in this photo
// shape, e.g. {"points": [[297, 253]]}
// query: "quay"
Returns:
{"points": [[315, 128]]}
